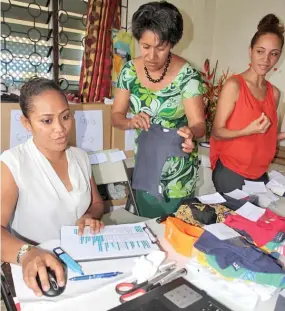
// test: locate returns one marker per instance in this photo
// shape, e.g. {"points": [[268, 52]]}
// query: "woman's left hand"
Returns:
{"points": [[188, 144], [86, 220]]}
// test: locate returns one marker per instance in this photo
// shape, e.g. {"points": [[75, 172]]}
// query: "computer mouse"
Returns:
{"points": [[54, 289]]}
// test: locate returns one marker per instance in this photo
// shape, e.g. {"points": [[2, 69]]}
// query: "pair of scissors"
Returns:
{"points": [[131, 290]]}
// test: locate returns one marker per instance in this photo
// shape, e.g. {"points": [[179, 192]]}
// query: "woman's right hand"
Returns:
{"points": [[35, 261], [258, 126], [140, 121]]}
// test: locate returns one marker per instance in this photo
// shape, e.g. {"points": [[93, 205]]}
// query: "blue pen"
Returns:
{"points": [[95, 276], [71, 263]]}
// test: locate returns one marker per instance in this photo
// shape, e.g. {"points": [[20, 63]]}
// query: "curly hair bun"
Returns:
{"points": [[270, 23]]}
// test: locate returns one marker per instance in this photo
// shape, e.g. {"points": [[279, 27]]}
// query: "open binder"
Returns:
{"points": [[115, 241]]}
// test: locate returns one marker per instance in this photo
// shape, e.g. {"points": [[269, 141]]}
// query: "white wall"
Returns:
{"points": [[235, 23], [221, 30], [197, 41]]}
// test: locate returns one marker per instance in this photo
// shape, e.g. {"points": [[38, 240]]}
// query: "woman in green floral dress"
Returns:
{"points": [[162, 88]]}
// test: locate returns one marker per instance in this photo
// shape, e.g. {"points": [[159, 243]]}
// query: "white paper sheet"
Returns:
{"points": [[97, 158], [276, 187], [254, 187], [214, 198], [117, 156], [280, 178], [237, 194], [113, 241], [130, 140], [130, 136], [18, 134], [250, 211], [267, 199], [89, 129], [221, 231], [272, 196]]}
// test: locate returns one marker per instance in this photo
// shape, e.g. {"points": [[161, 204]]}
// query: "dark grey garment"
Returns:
{"points": [[235, 204], [226, 180], [154, 147]]}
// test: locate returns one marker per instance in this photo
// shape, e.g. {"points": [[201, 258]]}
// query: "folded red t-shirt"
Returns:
{"points": [[261, 231]]}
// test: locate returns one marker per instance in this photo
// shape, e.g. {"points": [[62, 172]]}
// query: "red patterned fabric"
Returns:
{"points": [[95, 77]]}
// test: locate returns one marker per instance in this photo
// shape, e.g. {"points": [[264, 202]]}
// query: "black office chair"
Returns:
{"points": [[7, 293], [131, 205]]}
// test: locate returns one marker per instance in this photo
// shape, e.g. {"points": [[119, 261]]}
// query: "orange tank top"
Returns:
{"points": [[249, 156]]}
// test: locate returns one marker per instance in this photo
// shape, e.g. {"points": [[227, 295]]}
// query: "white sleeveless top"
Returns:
{"points": [[44, 204]]}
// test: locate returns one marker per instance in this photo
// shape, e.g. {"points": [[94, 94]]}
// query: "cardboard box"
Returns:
{"points": [[6, 109], [118, 141], [280, 155], [110, 205], [279, 161]]}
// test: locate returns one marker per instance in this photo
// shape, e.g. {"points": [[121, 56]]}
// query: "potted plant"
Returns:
{"points": [[213, 90]]}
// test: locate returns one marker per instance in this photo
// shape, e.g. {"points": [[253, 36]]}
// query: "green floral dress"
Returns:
{"points": [[165, 107]]}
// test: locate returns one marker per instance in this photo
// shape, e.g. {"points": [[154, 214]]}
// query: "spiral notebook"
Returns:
{"points": [[115, 241]]}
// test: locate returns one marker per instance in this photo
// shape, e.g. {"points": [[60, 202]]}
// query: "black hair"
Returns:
{"points": [[34, 87], [269, 24], [162, 18]]}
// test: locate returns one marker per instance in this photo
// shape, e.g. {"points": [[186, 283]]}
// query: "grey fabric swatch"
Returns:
{"points": [[154, 147]]}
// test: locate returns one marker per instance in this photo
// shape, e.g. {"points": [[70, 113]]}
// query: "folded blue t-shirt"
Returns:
{"points": [[238, 253]]}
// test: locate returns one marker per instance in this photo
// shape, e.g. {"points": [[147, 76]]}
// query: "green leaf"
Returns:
{"points": [[179, 185], [167, 112], [143, 91], [202, 89], [148, 101], [144, 97], [177, 191]]}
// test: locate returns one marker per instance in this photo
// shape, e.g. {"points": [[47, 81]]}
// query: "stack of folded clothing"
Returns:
{"points": [[248, 251], [267, 232], [235, 258], [274, 248], [240, 292]]}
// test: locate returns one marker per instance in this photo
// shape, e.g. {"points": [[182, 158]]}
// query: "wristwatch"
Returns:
{"points": [[25, 248]]}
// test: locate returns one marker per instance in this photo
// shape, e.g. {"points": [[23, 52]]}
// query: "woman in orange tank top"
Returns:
{"points": [[244, 135]]}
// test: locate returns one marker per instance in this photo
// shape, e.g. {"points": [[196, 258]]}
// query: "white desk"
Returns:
{"points": [[105, 298]]}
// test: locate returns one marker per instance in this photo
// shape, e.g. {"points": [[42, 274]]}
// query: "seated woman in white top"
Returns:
{"points": [[45, 184]]}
